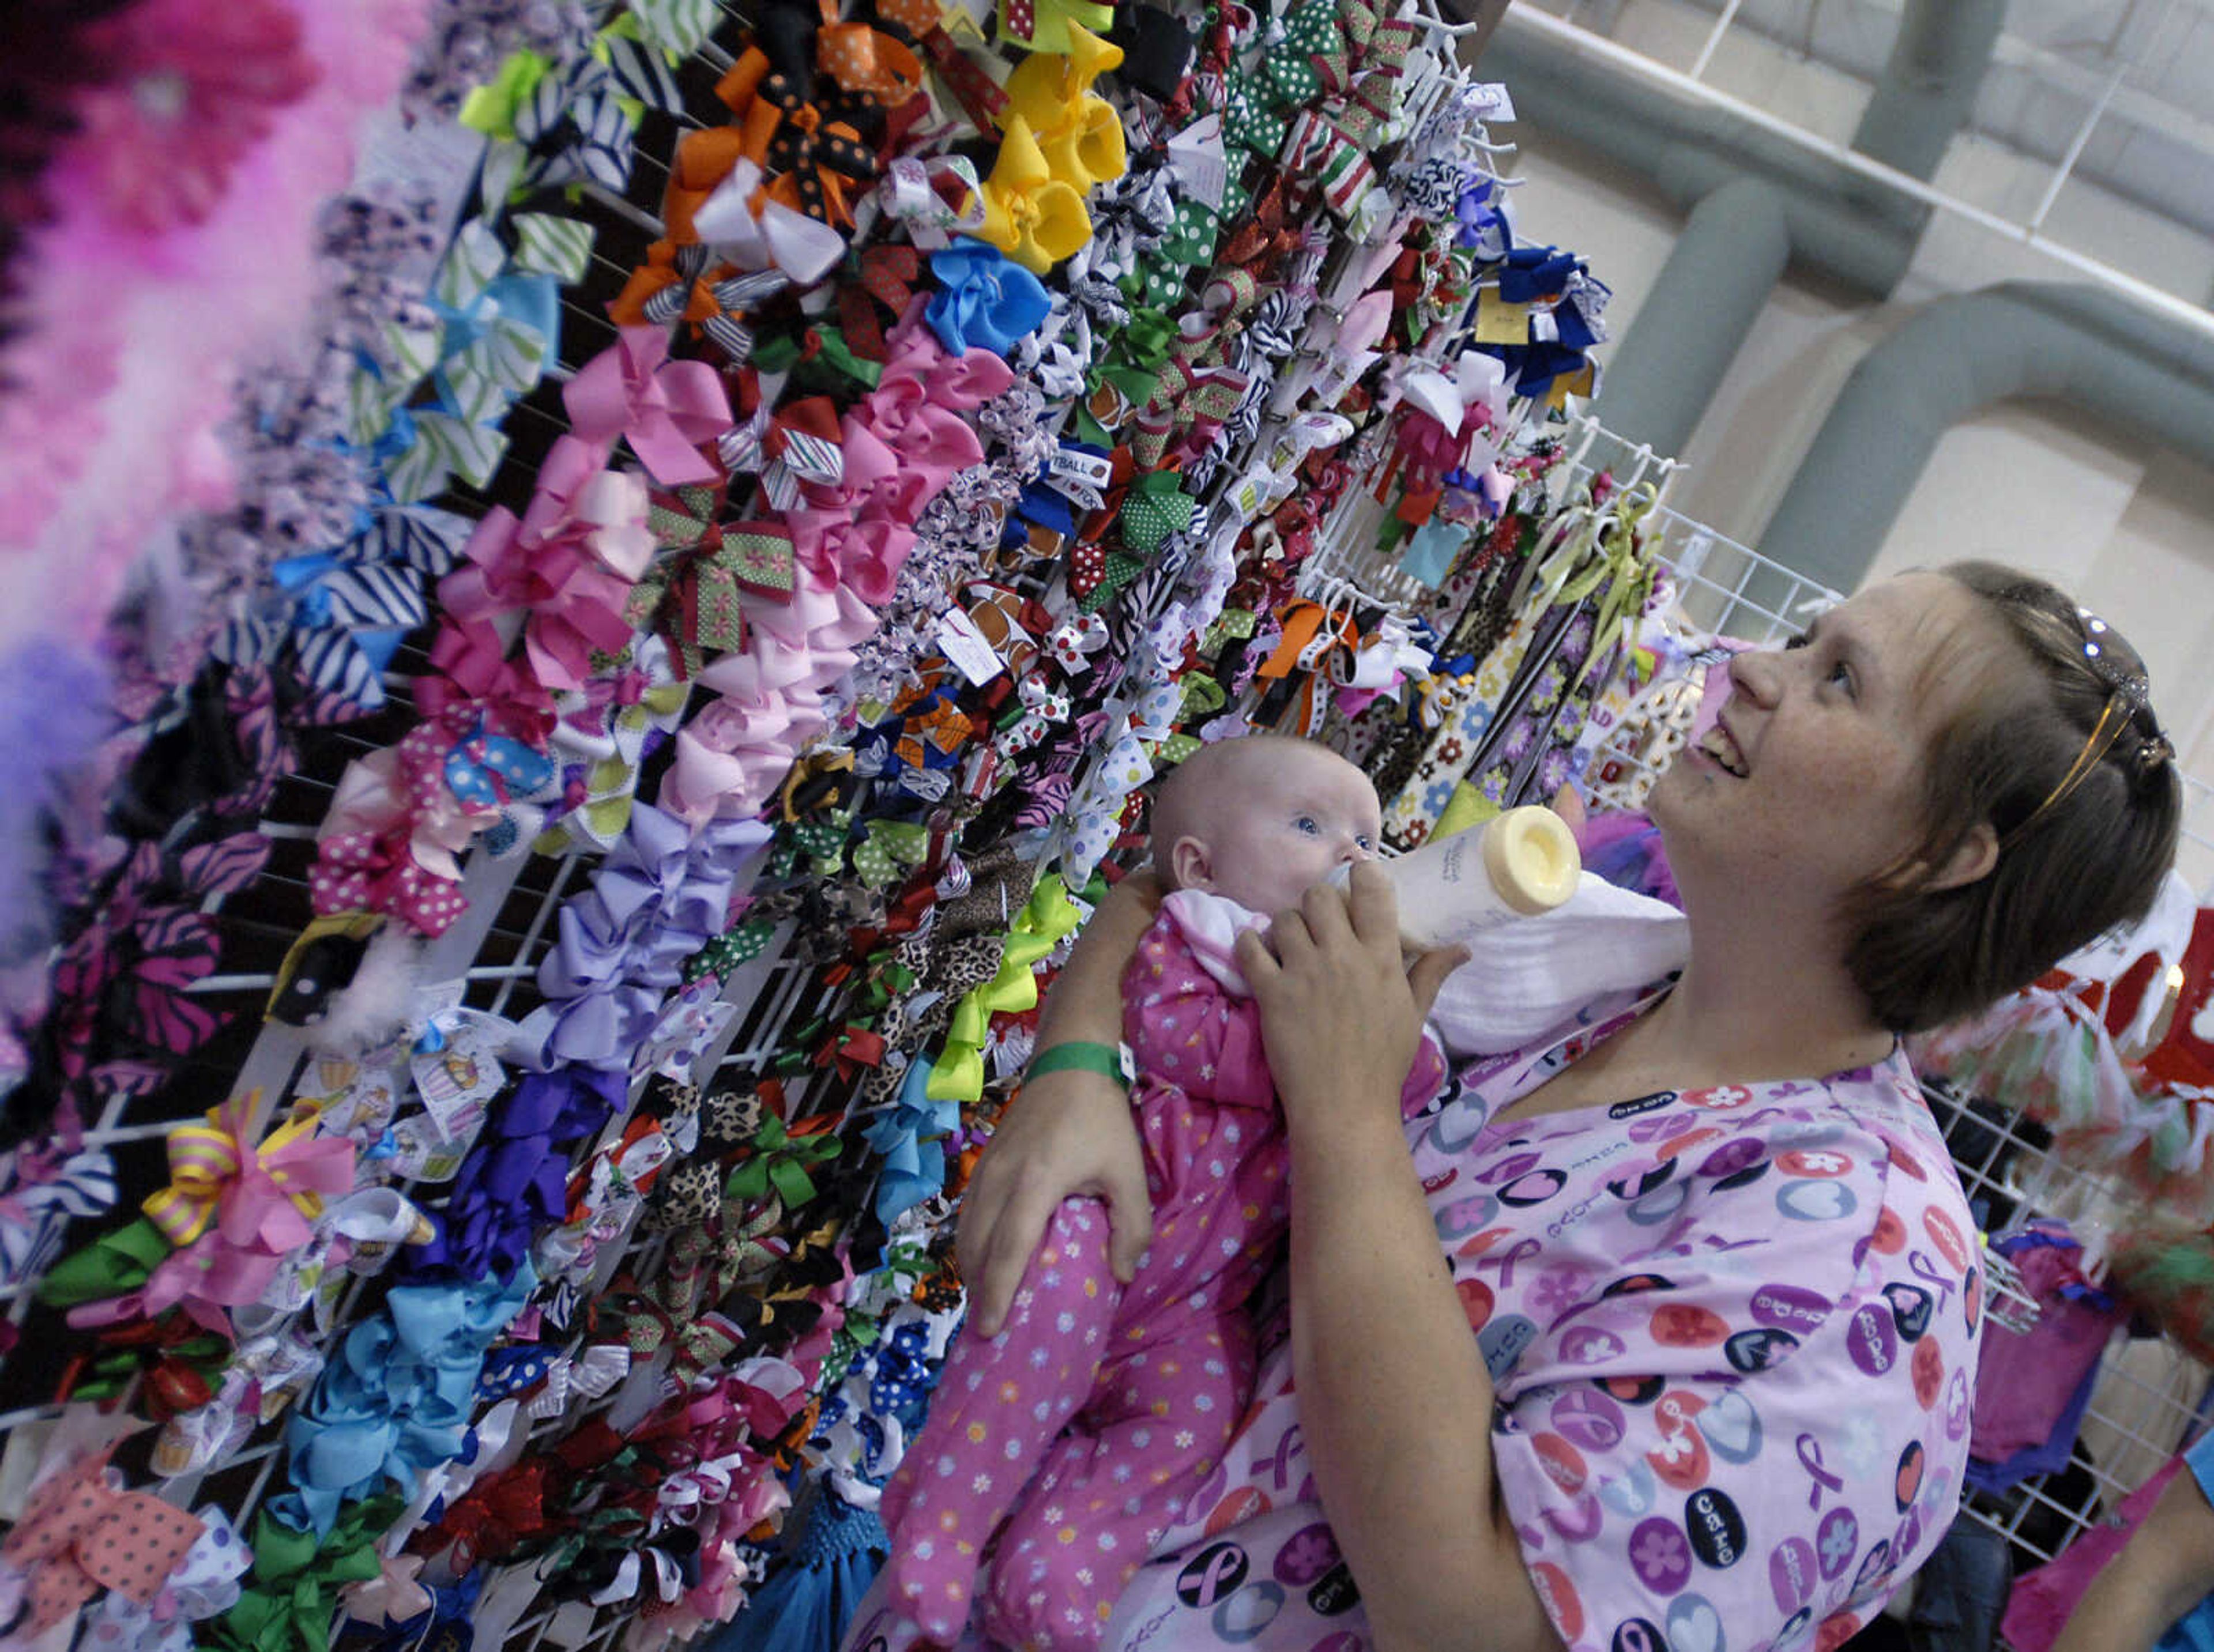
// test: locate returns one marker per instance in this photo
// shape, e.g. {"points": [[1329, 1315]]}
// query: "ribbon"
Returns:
{"points": [[1154, 508], [869, 62], [983, 301], [1033, 216], [292, 1600], [958, 1073], [685, 284], [665, 409], [569, 562], [779, 1162], [1053, 25], [202, 1585], [1079, 131], [972, 86], [784, 132], [912, 1168], [757, 231], [933, 196], [122, 1006], [79, 1535], [658, 899], [609, 723], [267, 1195], [513, 1182], [395, 1401]]}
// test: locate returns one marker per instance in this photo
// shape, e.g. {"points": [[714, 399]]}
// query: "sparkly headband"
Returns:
{"points": [[2128, 692]]}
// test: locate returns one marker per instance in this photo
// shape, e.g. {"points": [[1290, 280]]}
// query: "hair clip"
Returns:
{"points": [[2157, 750]]}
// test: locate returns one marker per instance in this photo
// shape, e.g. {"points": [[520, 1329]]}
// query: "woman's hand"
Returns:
{"points": [[1340, 1013], [1070, 1133]]}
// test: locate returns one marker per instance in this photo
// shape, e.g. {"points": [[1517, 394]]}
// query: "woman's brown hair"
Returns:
{"points": [[2081, 787]]}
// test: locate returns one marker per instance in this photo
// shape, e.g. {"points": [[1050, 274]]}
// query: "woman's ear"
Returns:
{"points": [[1970, 861], [1190, 867]]}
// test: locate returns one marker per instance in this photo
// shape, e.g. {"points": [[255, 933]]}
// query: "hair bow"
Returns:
{"points": [[685, 284], [268, 1194], [202, 1584], [470, 669], [499, 327], [1075, 639], [665, 409], [570, 562], [1035, 218], [79, 1535], [393, 1402], [905, 1137], [869, 62], [934, 197], [958, 1073], [983, 300], [121, 999], [784, 133], [46, 1191], [292, 1602]]}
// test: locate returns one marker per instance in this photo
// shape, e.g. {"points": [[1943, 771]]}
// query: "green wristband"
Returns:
{"points": [[1111, 1059]]}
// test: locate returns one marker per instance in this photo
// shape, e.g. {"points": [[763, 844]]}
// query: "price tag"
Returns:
{"points": [[960, 641]]}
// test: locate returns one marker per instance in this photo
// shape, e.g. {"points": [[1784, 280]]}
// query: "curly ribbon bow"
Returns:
{"points": [[292, 1600], [958, 1073], [665, 409], [79, 1535]]}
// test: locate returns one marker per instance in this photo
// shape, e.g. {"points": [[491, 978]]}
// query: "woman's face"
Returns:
{"points": [[1812, 781]]}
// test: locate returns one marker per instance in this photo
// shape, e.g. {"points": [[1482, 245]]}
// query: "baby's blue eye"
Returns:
{"points": [[1362, 842], [1307, 823]]}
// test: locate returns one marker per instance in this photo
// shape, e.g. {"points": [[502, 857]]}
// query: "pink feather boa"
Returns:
{"points": [[133, 339]]}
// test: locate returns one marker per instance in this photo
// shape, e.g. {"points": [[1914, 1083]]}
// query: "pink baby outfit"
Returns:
{"points": [[1088, 1422]]}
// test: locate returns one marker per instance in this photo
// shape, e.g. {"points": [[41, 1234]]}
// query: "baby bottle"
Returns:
{"points": [[1517, 864]]}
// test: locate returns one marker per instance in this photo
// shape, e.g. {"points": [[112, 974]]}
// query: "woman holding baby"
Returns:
{"points": [[1695, 1373]]}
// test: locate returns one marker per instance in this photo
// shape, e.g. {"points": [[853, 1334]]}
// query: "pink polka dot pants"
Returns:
{"points": [[1066, 1445]]}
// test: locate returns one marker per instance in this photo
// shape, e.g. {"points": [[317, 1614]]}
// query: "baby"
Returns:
{"points": [[1087, 1423]]}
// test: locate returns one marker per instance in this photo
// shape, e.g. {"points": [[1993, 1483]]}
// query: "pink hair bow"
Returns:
{"points": [[570, 561], [469, 667], [665, 409], [867, 556]]}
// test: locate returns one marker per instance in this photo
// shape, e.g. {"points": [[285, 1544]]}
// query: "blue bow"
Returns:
{"points": [[906, 1136]]}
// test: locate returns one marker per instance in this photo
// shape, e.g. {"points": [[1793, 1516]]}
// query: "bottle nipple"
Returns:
{"points": [[1530, 857]]}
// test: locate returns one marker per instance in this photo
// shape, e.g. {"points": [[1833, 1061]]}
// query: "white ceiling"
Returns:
{"points": [[2153, 145]]}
